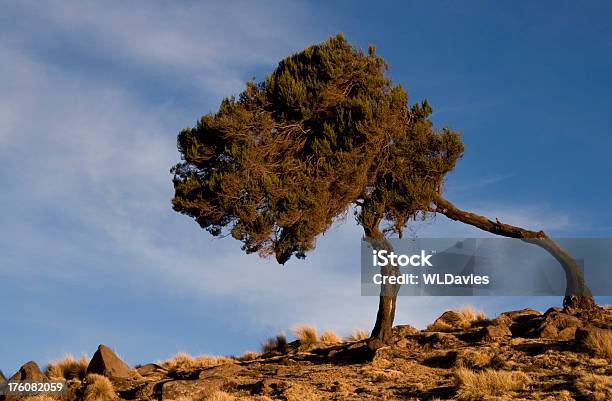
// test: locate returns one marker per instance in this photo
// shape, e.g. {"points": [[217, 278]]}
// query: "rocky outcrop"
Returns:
{"points": [[29, 371], [105, 362]]}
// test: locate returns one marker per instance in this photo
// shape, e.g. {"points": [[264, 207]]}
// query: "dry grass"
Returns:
{"points": [[68, 368], [600, 342], [382, 375], [307, 334], [41, 397], [472, 315], [474, 359], [223, 396], [275, 344], [330, 337], [183, 362], [301, 392], [99, 388], [439, 326], [358, 335], [595, 387], [249, 356], [478, 385], [467, 316]]}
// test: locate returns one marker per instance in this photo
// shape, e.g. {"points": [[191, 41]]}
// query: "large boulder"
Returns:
{"points": [[493, 332], [449, 321], [29, 371], [105, 362], [558, 325]]}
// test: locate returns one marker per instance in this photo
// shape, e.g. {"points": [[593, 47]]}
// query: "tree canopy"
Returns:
{"points": [[326, 130]]}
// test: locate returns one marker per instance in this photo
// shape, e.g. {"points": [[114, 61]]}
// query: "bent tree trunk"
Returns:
{"points": [[577, 294], [383, 327]]}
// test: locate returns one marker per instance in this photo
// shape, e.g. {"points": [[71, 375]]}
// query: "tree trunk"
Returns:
{"points": [[577, 294], [383, 328]]}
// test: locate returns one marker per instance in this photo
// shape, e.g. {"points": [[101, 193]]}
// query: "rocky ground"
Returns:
{"points": [[520, 355]]}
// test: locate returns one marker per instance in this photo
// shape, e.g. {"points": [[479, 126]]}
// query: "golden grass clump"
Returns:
{"points": [[68, 368], [330, 337], [307, 334], [183, 362], [599, 342], [40, 397], [595, 387], [358, 335], [474, 359], [99, 388], [462, 318], [275, 344], [471, 314], [249, 356], [487, 383], [223, 396]]}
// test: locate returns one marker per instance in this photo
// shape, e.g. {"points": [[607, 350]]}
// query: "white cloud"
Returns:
{"points": [[208, 44]]}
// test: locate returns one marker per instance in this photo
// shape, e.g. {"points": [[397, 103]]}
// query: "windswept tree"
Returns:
{"points": [[327, 130]]}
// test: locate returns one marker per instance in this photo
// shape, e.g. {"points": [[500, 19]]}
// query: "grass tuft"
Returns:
{"points": [[307, 334], [595, 387], [487, 383], [330, 337], [68, 368], [99, 388], [599, 342], [467, 316], [183, 362], [275, 344], [358, 335], [249, 356]]}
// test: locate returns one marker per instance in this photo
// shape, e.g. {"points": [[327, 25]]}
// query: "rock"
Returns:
{"points": [[105, 362], [193, 389], [225, 370], [556, 323], [568, 333], [266, 387], [494, 332], [439, 340], [29, 371], [2, 377], [581, 335], [520, 322], [150, 369], [449, 320], [404, 330]]}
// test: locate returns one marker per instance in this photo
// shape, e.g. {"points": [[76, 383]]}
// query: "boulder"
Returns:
{"points": [[558, 326], [449, 320], [520, 322], [404, 330], [493, 332], [439, 340], [2, 377], [105, 362], [151, 369], [29, 371]]}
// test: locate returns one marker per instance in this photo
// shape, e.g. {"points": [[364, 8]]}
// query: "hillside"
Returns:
{"points": [[520, 355]]}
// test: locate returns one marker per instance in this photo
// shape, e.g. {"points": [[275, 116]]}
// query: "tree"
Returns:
{"points": [[327, 130]]}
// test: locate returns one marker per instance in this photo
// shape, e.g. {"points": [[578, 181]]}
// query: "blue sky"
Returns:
{"points": [[93, 94]]}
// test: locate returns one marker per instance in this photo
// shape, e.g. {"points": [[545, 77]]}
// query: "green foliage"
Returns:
{"points": [[325, 130]]}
